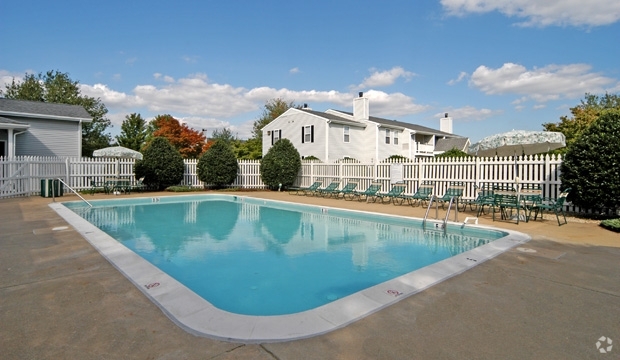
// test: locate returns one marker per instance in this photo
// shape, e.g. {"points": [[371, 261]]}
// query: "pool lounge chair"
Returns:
{"points": [[305, 190], [370, 193], [555, 205], [329, 189], [395, 195], [455, 190], [423, 194], [484, 198], [346, 190]]}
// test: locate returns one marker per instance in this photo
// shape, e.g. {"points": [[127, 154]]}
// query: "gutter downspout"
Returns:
{"points": [[15, 142]]}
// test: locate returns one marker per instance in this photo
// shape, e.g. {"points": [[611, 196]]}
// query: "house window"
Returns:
{"points": [[346, 134], [395, 137], [275, 136], [307, 134], [387, 136]]}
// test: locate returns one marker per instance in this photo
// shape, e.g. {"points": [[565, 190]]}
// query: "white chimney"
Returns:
{"points": [[445, 124], [361, 107]]}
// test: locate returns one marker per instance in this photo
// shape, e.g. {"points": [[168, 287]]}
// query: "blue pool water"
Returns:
{"points": [[255, 257]]}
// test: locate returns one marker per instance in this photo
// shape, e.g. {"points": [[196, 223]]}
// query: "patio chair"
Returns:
{"points": [[329, 189], [422, 194], [454, 191], [394, 195], [346, 190], [139, 185], [370, 192], [484, 198], [504, 201], [97, 186], [304, 190], [555, 205]]}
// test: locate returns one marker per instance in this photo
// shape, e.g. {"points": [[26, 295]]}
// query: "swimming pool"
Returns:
{"points": [[266, 258]]}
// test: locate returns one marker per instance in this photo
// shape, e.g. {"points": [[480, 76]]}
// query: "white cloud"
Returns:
{"points": [[191, 59], [384, 78], [460, 78], [469, 113], [551, 82], [543, 13], [294, 70], [203, 104]]}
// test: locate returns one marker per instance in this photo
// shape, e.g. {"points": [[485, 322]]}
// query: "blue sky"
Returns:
{"points": [[492, 65]]}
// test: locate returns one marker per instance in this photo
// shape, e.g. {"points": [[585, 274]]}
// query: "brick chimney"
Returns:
{"points": [[361, 107]]}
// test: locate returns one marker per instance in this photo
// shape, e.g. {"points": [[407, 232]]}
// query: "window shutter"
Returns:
{"points": [[272, 134], [279, 134], [312, 133], [302, 134]]}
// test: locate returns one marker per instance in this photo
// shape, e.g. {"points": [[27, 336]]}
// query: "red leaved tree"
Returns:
{"points": [[189, 142]]}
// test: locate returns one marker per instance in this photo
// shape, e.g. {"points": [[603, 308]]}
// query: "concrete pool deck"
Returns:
{"points": [[60, 299]]}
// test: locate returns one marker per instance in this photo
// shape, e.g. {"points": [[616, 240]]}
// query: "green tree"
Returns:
{"points": [[218, 165], [583, 115], [453, 153], [133, 132], [224, 134], [591, 166], [162, 165], [273, 109], [280, 165], [57, 87]]}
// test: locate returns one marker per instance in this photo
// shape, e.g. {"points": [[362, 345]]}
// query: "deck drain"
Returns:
{"points": [[470, 259], [526, 250]]}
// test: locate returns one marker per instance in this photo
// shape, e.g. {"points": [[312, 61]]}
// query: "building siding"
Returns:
{"points": [[49, 138], [291, 123]]}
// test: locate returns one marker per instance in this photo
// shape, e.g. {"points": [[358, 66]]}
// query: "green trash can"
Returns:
{"points": [[49, 185]]}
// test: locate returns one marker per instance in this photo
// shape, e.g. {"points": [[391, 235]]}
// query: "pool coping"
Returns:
{"points": [[197, 316]]}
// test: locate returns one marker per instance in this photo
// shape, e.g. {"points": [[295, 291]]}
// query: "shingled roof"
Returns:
{"points": [[401, 124], [25, 108]]}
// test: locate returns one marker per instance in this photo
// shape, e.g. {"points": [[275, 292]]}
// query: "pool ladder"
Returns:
{"points": [[445, 220], [70, 188]]}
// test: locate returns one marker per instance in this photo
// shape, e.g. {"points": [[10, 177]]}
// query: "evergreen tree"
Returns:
{"points": [[218, 165], [133, 132]]}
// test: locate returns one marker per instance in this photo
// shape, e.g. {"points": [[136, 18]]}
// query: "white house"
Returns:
{"points": [[333, 135], [41, 129]]}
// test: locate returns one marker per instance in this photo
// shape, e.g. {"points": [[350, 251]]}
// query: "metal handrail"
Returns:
{"points": [[445, 220], [70, 188], [428, 208]]}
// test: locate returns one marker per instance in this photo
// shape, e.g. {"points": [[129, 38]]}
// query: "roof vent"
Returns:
{"points": [[306, 106], [361, 94], [446, 115]]}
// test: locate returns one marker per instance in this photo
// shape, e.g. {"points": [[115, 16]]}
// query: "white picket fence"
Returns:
{"points": [[21, 176]]}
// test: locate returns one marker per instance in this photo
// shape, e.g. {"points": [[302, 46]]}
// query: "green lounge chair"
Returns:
{"points": [[555, 205], [422, 194], [349, 188], [395, 195], [455, 190], [484, 198], [370, 193], [329, 189], [305, 190], [504, 201]]}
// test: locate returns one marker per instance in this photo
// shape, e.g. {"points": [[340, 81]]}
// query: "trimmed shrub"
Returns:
{"points": [[218, 166], [591, 167], [611, 224], [162, 165], [280, 165]]}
